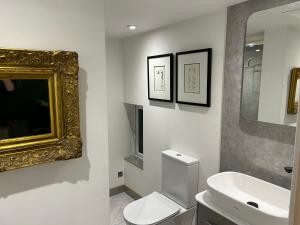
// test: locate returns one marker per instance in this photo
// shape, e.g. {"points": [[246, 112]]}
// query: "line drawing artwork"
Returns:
{"points": [[192, 78], [159, 78]]}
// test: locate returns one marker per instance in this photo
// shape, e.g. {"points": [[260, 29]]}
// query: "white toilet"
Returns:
{"points": [[176, 205]]}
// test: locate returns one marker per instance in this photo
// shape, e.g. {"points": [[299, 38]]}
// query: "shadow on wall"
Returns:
{"points": [[182, 107], [130, 110], [73, 171], [168, 105], [193, 109]]}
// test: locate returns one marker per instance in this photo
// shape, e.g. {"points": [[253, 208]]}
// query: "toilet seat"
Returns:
{"points": [[150, 210]]}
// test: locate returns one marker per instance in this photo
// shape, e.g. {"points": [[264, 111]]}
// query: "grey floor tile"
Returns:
{"points": [[117, 204]]}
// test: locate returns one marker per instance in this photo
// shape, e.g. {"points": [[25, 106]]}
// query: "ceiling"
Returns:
{"points": [[152, 14]]}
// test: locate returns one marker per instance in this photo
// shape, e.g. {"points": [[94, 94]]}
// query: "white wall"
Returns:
{"points": [[72, 192], [281, 54], [118, 125], [189, 129], [292, 60], [272, 75]]}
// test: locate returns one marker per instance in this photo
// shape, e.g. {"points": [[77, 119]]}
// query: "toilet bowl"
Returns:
{"points": [[157, 209], [176, 204]]}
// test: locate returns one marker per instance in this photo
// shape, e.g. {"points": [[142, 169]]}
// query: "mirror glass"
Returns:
{"points": [[271, 66], [25, 108]]}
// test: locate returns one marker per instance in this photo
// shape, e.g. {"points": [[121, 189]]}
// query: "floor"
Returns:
{"points": [[117, 204]]}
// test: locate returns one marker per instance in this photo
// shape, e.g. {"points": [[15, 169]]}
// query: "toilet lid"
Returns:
{"points": [[150, 210]]}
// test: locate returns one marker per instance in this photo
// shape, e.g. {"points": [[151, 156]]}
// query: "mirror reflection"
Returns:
{"points": [[27, 108], [271, 61]]}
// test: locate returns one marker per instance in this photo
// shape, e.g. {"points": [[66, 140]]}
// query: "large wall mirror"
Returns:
{"points": [[39, 113], [270, 91], [28, 107]]}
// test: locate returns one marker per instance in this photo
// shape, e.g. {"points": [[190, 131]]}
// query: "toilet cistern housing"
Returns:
{"points": [[180, 178]]}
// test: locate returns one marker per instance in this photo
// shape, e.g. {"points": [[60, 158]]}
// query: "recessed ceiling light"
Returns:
{"points": [[131, 27], [251, 45], [258, 50]]}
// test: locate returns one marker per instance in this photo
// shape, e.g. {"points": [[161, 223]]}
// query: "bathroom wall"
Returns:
{"points": [[189, 129], [259, 149], [273, 70], [281, 55], [71, 192], [119, 132], [292, 60]]}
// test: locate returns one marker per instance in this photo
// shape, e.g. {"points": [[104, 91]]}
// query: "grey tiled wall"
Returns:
{"points": [[255, 148]]}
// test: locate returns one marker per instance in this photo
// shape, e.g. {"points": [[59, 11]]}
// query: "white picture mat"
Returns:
{"points": [[199, 57], [164, 61], [297, 91], [192, 78], [159, 78]]}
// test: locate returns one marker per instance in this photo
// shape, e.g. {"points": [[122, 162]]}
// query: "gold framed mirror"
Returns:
{"points": [[39, 113], [294, 91]]}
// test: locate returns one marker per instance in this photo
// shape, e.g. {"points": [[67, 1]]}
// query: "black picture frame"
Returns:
{"points": [[209, 71], [171, 77]]}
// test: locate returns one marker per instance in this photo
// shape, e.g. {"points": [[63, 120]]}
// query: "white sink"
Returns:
{"points": [[232, 191]]}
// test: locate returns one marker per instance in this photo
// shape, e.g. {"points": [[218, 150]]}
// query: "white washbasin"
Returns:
{"points": [[231, 191]]}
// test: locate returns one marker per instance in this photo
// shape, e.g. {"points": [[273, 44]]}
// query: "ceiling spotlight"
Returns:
{"points": [[131, 27], [258, 50], [251, 45]]}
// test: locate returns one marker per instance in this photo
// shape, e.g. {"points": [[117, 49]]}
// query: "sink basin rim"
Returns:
{"points": [[285, 212]]}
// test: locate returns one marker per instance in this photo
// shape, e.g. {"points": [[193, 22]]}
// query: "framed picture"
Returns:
{"points": [[160, 77], [193, 77], [294, 91]]}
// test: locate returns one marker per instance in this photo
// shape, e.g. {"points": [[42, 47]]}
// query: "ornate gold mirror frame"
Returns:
{"points": [[292, 103], [60, 68]]}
